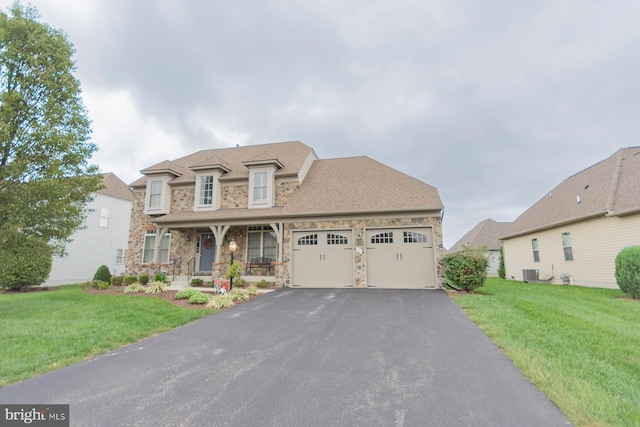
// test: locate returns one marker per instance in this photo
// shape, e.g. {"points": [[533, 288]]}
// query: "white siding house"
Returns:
{"points": [[573, 234], [103, 240]]}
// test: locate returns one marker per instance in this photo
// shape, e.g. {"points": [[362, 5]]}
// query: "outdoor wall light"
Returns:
{"points": [[232, 248]]}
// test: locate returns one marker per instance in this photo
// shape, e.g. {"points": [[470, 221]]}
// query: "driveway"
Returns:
{"points": [[304, 357]]}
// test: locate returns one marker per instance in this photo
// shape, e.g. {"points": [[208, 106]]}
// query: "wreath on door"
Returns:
{"points": [[208, 243]]}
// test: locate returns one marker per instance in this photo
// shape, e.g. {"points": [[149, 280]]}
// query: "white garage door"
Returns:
{"points": [[322, 259], [400, 258]]}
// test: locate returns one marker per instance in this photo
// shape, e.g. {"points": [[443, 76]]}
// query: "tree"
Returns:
{"points": [[501, 271], [45, 179]]}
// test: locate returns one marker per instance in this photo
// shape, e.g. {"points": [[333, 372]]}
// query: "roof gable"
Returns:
{"points": [[484, 234], [607, 188], [115, 187]]}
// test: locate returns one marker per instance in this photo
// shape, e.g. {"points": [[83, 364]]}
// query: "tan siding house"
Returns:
{"points": [[574, 233], [348, 222]]}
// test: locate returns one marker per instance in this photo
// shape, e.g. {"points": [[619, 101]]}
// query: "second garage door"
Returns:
{"points": [[400, 258], [322, 259]]}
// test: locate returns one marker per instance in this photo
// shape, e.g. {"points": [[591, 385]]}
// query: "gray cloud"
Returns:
{"points": [[494, 102]]}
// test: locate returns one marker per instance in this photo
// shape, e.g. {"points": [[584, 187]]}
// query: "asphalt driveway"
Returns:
{"points": [[297, 357]]}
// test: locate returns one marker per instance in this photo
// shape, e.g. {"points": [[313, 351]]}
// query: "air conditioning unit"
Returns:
{"points": [[530, 276]]}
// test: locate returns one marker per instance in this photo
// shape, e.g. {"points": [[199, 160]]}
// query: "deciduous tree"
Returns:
{"points": [[45, 178]]}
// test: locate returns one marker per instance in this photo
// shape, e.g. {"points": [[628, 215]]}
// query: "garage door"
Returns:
{"points": [[322, 259], [400, 258]]}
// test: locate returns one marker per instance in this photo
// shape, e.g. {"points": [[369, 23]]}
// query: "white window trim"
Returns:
{"points": [[215, 199], [164, 205], [104, 218], [154, 255], [270, 200]]}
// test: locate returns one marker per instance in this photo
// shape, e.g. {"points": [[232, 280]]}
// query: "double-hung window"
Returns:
{"points": [[261, 242], [104, 218], [121, 256], [149, 248], [155, 194], [260, 187], [566, 245], [157, 197], [536, 252]]}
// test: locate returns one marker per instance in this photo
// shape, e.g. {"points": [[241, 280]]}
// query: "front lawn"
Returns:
{"points": [[42, 331], [579, 346]]}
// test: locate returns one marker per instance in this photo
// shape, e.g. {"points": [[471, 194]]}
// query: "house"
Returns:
{"points": [[575, 231], [102, 241], [484, 235], [345, 222]]}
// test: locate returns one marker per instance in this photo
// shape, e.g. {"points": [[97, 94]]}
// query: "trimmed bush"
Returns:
{"points": [[196, 282], [156, 288], [160, 277], [24, 261], [628, 271], [186, 293], [103, 274], [128, 280], [262, 284], [199, 298], [143, 279], [117, 280], [466, 270]]}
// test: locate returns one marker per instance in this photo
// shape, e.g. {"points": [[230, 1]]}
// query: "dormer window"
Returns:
{"points": [[206, 195], [260, 187], [157, 198], [262, 180]]}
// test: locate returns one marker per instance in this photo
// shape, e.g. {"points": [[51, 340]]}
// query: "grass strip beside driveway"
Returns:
{"points": [[580, 346], [42, 331]]}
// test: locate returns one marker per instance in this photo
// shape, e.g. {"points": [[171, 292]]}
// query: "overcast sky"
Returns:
{"points": [[494, 102]]}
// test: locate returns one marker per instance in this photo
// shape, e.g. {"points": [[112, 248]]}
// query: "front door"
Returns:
{"points": [[207, 252]]}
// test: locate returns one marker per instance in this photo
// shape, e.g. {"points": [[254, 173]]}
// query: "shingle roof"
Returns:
{"points": [[485, 233], [291, 155], [608, 187], [344, 186], [115, 187]]}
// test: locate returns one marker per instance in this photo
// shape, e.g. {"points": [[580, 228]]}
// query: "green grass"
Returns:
{"points": [[42, 331], [579, 346]]}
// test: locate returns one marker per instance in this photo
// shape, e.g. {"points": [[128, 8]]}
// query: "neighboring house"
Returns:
{"points": [[103, 240], [574, 233], [484, 235], [347, 222]]}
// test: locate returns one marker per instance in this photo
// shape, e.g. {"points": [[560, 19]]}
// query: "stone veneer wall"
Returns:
{"points": [[234, 196], [359, 227]]}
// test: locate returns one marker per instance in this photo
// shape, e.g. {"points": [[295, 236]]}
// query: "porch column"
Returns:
{"points": [[278, 228], [219, 231], [160, 232]]}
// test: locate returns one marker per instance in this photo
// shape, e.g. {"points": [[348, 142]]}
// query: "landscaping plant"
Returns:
{"points": [[27, 263], [102, 274], [199, 298], [628, 271], [465, 270], [130, 279], [196, 282], [234, 273], [143, 279], [156, 288], [186, 293], [117, 280], [160, 277], [220, 301], [134, 288]]}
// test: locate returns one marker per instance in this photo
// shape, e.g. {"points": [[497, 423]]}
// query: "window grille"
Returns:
{"points": [[336, 239], [414, 237], [308, 240], [383, 238]]}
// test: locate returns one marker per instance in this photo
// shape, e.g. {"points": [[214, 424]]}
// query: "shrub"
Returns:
{"points": [[240, 283], [220, 301], [252, 290], [199, 298], [196, 282], [143, 279], [160, 277], [501, 271], [156, 288], [134, 288], [117, 280], [234, 272], [24, 261], [103, 274], [466, 270], [238, 295], [130, 279], [628, 271], [186, 293], [262, 284], [99, 284]]}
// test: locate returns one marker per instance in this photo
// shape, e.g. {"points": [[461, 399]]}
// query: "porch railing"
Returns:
{"points": [[191, 268], [177, 267]]}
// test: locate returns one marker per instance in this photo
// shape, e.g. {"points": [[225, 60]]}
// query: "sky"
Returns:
{"points": [[493, 102]]}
